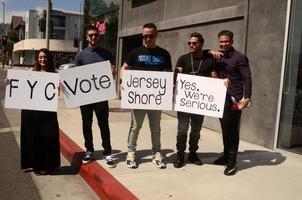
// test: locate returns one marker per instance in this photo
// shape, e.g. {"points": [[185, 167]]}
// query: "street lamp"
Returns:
{"points": [[80, 27], [49, 8], [3, 6]]}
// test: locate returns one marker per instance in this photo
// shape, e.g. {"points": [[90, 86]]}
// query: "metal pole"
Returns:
{"points": [[3, 19], [3, 12], [80, 27], [3, 8], [49, 5]]}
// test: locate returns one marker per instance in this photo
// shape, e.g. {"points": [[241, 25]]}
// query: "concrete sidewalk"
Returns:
{"points": [[263, 174], [63, 183]]}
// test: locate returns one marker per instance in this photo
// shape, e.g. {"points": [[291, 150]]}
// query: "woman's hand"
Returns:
{"points": [[7, 81]]}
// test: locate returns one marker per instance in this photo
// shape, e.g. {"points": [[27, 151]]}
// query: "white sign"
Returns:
{"points": [[32, 90], [87, 84], [200, 95], [151, 90]]}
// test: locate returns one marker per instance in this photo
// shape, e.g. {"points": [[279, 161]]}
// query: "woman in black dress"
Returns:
{"points": [[40, 148]]}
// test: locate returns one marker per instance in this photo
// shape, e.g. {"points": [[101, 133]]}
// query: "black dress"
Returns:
{"points": [[40, 147]]}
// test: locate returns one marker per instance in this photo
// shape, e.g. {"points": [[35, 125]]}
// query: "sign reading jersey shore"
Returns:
{"points": [[32, 90], [200, 95], [87, 84], [150, 90]]}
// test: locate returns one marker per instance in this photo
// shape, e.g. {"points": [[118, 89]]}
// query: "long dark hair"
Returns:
{"points": [[50, 67]]}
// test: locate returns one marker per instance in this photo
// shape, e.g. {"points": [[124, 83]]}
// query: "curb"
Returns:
{"points": [[101, 181]]}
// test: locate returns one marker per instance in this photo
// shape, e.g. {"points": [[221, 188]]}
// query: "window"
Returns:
{"points": [[137, 3], [59, 21], [58, 34]]}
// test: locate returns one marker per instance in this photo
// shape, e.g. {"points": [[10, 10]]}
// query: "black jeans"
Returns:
{"points": [[184, 120], [101, 110], [230, 124]]}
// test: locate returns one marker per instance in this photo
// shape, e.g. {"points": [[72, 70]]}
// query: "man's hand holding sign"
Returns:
{"points": [[88, 84]]}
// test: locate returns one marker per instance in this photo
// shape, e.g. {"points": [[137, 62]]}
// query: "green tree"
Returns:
{"points": [[13, 36], [97, 10]]}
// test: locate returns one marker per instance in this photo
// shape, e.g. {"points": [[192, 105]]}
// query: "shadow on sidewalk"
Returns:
{"points": [[64, 170], [246, 159], [254, 158], [74, 167], [98, 155]]}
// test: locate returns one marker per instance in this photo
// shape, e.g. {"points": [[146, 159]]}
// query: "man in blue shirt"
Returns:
{"points": [[93, 54]]}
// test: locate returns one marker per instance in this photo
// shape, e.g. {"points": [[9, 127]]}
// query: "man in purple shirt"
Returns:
{"points": [[234, 66]]}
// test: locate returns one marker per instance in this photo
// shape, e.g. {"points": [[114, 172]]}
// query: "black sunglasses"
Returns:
{"points": [[149, 36], [93, 34], [194, 43]]}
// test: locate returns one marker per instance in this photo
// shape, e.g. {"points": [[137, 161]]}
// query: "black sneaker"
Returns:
{"points": [[193, 158], [89, 157], [230, 169], [179, 160], [223, 160], [109, 161]]}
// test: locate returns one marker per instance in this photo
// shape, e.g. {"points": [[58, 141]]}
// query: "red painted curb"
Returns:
{"points": [[101, 181]]}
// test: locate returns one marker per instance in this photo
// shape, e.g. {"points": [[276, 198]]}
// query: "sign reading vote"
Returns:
{"points": [[87, 84], [150, 90], [32, 90], [200, 95]]}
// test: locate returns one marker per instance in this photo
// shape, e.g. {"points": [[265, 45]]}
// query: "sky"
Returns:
{"points": [[19, 7]]}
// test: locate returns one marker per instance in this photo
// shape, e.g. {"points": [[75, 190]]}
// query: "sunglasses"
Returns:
{"points": [[149, 36], [193, 43], [93, 34]]}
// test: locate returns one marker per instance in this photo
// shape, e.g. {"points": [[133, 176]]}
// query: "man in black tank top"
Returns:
{"points": [[199, 63]]}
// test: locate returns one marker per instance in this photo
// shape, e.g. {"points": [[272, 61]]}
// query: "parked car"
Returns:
{"points": [[66, 66]]}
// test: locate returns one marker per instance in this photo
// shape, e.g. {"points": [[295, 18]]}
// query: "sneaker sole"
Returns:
{"points": [[231, 173], [86, 162], [159, 167], [111, 166], [131, 166]]}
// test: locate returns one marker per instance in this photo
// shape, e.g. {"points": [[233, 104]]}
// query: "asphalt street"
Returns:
{"points": [[14, 183]]}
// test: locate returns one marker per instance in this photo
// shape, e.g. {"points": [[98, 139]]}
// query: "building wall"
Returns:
{"points": [[259, 28], [32, 21], [72, 26]]}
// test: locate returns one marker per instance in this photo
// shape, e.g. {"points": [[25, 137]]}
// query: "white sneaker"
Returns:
{"points": [[109, 161], [130, 161], [158, 161]]}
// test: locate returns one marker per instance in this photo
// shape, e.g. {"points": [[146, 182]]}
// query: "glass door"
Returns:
{"points": [[290, 130]]}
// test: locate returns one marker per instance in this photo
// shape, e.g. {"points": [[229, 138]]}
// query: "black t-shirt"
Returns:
{"points": [[206, 63], [155, 59]]}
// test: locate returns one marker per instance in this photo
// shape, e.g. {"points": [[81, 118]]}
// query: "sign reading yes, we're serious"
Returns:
{"points": [[32, 90], [88, 84], [200, 95], [150, 90]]}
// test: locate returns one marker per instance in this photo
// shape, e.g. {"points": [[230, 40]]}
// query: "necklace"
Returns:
{"points": [[193, 71]]}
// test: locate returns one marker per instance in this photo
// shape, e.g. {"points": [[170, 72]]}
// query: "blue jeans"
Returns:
{"points": [[184, 120], [137, 120]]}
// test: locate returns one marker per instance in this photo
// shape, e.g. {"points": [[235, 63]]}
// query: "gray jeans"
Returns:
{"points": [[137, 120], [184, 120]]}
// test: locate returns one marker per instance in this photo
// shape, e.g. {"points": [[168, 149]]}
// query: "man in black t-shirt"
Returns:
{"points": [[152, 58], [199, 63]]}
